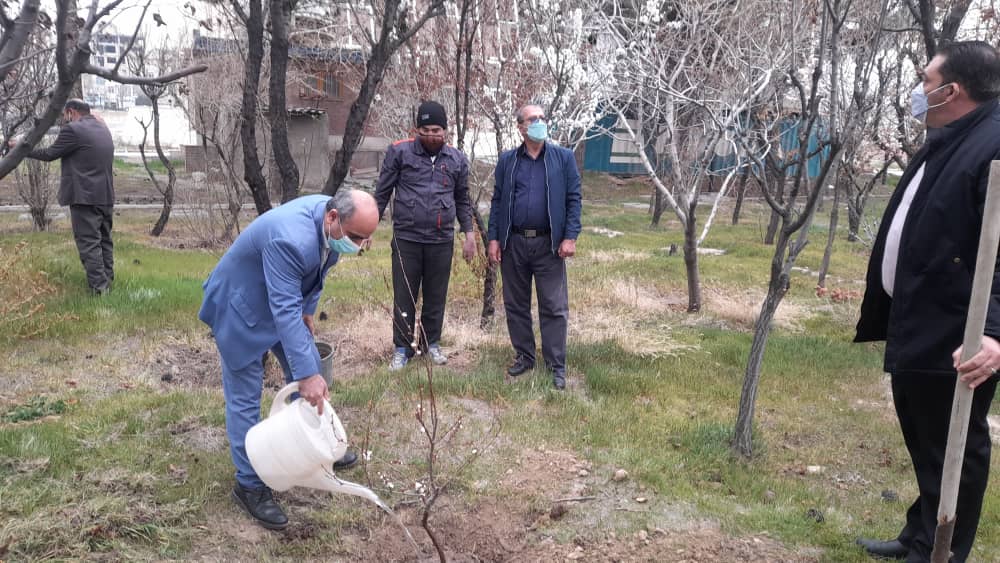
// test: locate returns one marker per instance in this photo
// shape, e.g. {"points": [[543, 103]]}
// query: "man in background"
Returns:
{"points": [[87, 186], [534, 223], [430, 181]]}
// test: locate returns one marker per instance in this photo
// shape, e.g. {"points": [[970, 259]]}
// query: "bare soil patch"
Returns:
{"points": [[186, 365], [526, 518]]}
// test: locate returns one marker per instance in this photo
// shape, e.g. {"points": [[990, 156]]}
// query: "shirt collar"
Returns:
{"points": [[523, 150]]}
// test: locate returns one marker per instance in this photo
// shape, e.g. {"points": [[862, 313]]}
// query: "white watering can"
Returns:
{"points": [[296, 447]]}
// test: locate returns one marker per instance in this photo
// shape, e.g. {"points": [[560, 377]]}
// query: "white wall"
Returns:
{"points": [[127, 133]]}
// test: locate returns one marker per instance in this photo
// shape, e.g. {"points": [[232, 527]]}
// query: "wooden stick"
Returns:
{"points": [[574, 499], [975, 322]]}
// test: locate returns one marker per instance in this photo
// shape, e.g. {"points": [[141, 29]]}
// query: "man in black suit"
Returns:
{"points": [[87, 186], [919, 282]]}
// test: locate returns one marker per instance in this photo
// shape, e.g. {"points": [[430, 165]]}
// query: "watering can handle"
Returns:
{"points": [[280, 400]]}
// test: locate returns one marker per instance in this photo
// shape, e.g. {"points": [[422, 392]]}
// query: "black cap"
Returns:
{"points": [[432, 113]]}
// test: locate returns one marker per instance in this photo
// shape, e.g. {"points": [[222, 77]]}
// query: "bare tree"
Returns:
{"points": [[809, 116], [281, 14], [864, 49], [683, 77], [36, 188], [396, 28], [155, 92], [72, 59], [253, 21]]}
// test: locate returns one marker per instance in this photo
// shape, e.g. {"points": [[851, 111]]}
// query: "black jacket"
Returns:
{"points": [[429, 195], [924, 321], [88, 156]]}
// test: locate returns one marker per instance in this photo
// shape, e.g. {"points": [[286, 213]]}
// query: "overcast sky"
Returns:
{"points": [[179, 21]]}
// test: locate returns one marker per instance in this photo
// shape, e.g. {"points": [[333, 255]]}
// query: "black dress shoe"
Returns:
{"points": [[261, 506], [559, 380], [879, 549], [521, 365], [350, 458]]}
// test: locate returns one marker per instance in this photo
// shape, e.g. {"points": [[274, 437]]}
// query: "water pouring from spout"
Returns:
{"points": [[296, 447]]}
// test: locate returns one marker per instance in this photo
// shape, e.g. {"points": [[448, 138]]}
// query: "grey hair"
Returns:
{"points": [[343, 202], [520, 112]]}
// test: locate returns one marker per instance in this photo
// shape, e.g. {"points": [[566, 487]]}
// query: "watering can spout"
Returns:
{"points": [[328, 481]]}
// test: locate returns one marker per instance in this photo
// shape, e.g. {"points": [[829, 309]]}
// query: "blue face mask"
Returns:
{"points": [[538, 131], [918, 101], [342, 245]]}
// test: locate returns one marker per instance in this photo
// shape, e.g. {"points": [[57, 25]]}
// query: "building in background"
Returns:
{"points": [[101, 93]]}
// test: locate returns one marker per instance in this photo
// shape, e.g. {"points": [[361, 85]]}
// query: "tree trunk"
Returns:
{"points": [[691, 261], [354, 130], [658, 206], [252, 169], [741, 190], [489, 277], [38, 217], [772, 225], [743, 432], [831, 236], [281, 14], [17, 38], [855, 211], [168, 191]]}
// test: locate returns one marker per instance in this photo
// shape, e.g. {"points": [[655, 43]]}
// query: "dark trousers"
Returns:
{"points": [[522, 260], [416, 265], [92, 231], [923, 405]]}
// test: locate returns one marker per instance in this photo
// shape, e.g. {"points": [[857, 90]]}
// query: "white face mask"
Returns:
{"points": [[918, 101]]}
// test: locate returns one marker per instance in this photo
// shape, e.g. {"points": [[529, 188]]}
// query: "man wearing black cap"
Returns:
{"points": [[430, 181]]}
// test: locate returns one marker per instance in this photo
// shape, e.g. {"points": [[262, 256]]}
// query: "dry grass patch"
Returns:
{"points": [[741, 307], [609, 256]]}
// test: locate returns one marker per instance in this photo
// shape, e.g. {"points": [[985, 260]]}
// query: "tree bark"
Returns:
{"points": [[252, 168], [15, 38], [741, 190], [777, 178], [281, 13], [168, 190], [691, 259], [392, 35], [489, 277], [778, 286], [354, 130], [831, 236], [658, 206]]}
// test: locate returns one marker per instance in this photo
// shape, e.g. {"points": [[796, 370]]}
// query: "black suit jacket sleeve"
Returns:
{"points": [[64, 144]]}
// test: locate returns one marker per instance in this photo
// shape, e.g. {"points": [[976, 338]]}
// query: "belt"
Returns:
{"points": [[531, 233]]}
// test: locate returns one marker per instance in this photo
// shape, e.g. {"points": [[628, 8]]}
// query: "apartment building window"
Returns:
{"points": [[323, 85]]}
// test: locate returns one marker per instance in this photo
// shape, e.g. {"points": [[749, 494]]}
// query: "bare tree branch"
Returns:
{"points": [[142, 80], [15, 37]]}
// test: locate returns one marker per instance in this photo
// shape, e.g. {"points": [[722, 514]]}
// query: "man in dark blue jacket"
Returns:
{"points": [[534, 224], [918, 286], [430, 181]]}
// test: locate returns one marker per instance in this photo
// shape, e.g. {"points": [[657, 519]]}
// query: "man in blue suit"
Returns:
{"points": [[262, 296]]}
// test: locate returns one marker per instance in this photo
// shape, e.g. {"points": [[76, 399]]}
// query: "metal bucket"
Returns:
{"points": [[326, 361]]}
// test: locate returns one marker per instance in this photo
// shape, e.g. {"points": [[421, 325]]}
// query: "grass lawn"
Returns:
{"points": [[112, 441]]}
